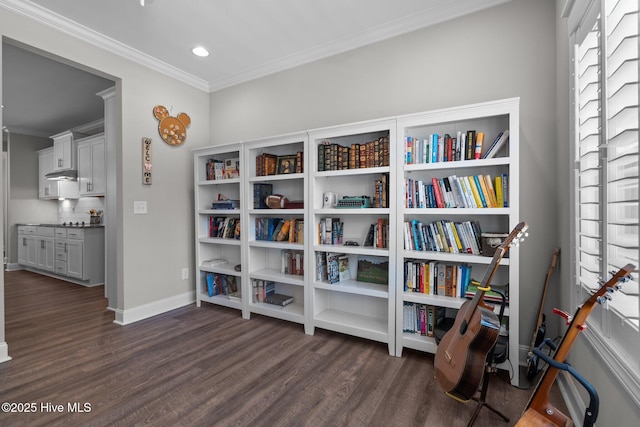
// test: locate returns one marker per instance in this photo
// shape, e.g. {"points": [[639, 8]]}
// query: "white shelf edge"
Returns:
{"points": [[355, 287]]}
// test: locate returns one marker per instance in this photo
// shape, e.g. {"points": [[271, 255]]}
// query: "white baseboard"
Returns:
{"points": [[4, 352], [131, 315], [13, 267]]}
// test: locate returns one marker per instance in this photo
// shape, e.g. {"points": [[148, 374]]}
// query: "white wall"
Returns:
{"points": [[151, 249], [506, 51]]}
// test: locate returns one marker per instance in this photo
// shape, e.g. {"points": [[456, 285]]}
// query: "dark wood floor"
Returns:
{"points": [[207, 366]]}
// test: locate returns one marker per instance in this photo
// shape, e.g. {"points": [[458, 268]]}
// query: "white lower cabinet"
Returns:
{"points": [[70, 253]]}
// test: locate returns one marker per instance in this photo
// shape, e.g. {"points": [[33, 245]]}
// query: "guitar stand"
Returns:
{"points": [[489, 369], [482, 399]]}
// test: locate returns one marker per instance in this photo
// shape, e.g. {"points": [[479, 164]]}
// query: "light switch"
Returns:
{"points": [[140, 207]]}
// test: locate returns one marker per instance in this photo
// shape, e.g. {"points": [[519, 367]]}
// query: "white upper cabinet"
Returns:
{"points": [[91, 166], [64, 151]]}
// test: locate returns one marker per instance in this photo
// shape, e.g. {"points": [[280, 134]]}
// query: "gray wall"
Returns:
{"points": [[151, 249], [506, 51], [24, 205]]}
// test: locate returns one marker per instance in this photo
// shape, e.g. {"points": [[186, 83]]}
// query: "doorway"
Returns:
{"points": [[43, 95]]}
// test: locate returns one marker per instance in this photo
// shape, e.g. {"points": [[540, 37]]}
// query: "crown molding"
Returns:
{"points": [[443, 12], [74, 29], [398, 27]]}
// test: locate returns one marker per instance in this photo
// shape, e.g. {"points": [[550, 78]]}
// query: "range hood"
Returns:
{"points": [[65, 175]]}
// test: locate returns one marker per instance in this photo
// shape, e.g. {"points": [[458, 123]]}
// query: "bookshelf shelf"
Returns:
{"points": [[360, 325], [276, 276], [355, 287], [418, 183]]}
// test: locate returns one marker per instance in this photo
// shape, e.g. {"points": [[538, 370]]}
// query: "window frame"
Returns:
{"points": [[582, 17]]}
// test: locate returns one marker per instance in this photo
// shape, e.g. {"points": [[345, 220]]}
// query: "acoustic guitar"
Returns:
{"points": [[539, 410], [460, 357]]}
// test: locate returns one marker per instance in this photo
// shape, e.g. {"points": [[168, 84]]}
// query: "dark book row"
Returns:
{"points": [[333, 156], [421, 318], [221, 284], [270, 164], [224, 227]]}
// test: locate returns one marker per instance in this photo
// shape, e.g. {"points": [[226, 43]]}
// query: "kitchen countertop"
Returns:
{"points": [[67, 225]]}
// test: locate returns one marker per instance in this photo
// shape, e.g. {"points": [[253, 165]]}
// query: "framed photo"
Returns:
{"points": [[287, 164]]}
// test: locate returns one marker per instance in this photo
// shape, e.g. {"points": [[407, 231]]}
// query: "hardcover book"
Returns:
{"points": [[278, 299]]}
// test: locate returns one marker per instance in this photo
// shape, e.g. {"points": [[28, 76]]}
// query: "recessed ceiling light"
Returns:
{"points": [[200, 51]]}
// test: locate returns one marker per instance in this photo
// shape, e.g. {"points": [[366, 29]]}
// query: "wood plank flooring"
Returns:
{"points": [[208, 367]]}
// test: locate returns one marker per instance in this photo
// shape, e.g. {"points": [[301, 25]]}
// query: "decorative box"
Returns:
{"points": [[491, 241]]}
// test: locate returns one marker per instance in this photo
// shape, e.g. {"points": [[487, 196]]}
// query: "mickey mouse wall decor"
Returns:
{"points": [[173, 130]]}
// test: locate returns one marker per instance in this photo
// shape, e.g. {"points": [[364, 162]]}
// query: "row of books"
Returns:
{"points": [[378, 234], [333, 267], [292, 262], [280, 230], [436, 278], [224, 227], [330, 231], [474, 191], [270, 164], [222, 284], [437, 148], [381, 192], [443, 236], [421, 318], [265, 291], [222, 169], [333, 156]]}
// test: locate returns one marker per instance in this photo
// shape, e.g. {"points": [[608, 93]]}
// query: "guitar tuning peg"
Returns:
{"points": [[601, 300], [601, 283], [612, 289]]}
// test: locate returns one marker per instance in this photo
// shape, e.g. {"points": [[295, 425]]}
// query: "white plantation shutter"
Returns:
{"points": [[606, 118]]}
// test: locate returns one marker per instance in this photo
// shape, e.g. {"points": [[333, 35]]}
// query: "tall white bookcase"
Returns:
{"points": [[265, 258], [218, 255], [351, 306], [490, 118]]}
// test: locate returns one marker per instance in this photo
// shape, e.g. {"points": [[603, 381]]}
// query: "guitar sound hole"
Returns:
{"points": [[463, 327]]}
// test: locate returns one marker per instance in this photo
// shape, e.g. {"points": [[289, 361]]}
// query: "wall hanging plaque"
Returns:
{"points": [[146, 161], [173, 130]]}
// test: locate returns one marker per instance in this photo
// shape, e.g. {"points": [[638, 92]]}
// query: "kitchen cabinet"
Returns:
{"points": [[64, 151], [92, 176], [49, 189], [72, 253], [45, 248], [27, 249]]}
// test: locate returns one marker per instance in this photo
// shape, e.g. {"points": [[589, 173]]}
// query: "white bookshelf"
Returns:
{"points": [[264, 257], [350, 306], [359, 308], [207, 190], [490, 118]]}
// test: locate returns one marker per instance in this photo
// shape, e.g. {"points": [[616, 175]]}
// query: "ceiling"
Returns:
{"points": [[246, 39]]}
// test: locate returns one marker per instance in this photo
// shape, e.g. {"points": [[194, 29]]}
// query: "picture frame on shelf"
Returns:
{"points": [[286, 164]]}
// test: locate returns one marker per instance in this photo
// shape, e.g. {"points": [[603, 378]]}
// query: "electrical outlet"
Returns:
{"points": [[185, 273]]}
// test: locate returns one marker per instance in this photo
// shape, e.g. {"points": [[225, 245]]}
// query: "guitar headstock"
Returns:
{"points": [[606, 290]]}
